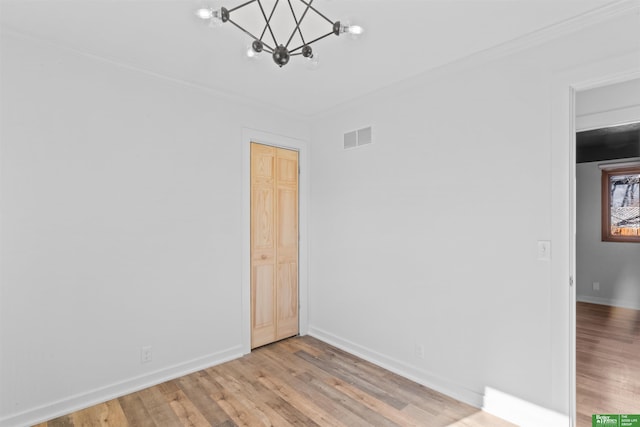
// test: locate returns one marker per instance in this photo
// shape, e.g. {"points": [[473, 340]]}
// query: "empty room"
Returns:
{"points": [[607, 250], [288, 212]]}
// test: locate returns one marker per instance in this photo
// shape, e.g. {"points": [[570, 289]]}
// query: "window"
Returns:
{"points": [[621, 204]]}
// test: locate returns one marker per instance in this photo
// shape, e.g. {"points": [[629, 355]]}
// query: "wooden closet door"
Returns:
{"points": [[274, 244], [286, 243]]}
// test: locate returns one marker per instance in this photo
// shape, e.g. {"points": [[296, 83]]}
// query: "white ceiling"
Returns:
{"points": [[403, 38]]}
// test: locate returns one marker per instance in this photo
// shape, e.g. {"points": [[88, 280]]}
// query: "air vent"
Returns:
{"points": [[364, 136], [351, 139], [357, 138]]}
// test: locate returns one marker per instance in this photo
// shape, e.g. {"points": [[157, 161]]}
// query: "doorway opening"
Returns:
{"points": [[607, 274]]}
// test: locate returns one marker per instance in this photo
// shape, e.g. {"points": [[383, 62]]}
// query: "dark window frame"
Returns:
{"points": [[607, 235]]}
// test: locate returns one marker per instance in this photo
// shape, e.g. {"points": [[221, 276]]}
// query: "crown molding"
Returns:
{"points": [[216, 92], [569, 26], [547, 34]]}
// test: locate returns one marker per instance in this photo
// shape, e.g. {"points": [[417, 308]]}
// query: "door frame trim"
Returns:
{"points": [[302, 147], [565, 84]]}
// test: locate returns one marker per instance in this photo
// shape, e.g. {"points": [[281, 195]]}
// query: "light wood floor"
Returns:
{"points": [[607, 361], [300, 381]]}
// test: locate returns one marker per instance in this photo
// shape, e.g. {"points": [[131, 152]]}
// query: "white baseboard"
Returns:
{"points": [[413, 373], [103, 394], [634, 305], [521, 412], [513, 409]]}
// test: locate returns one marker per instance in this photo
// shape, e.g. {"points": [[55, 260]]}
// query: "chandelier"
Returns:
{"points": [[280, 28]]}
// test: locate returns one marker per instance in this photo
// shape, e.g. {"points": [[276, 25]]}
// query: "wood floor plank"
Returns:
{"points": [[307, 378], [328, 368], [115, 414], [85, 418], [239, 414], [64, 421], [370, 417], [237, 391], [291, 413], [135, 411], [187, 413], [168, 388], [607, 361], [366, 385], [313, 405], [379, 406], [440, 419], [200, 398], [156, 403], [402, 388], [480, 419], [105, 414], [268, 401], [304, 378]]}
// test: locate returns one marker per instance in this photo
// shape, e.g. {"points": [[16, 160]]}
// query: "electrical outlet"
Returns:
{"points": [[596, 286], [544, 250], [419, 351], [146, 355]]}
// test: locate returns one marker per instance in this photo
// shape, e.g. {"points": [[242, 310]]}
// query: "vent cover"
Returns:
{"points": [[358, 138], [351, 139]]}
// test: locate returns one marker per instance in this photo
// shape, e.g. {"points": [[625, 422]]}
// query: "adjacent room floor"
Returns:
{"points": [[607, 361], [300, 381]]}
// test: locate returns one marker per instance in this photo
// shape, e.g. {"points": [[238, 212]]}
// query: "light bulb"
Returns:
{"points": [[355, 30], [313, 61], [204, 13], [254, 49], [214, 17]]}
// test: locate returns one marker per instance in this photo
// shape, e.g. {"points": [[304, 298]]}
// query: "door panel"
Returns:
{"points": [[287, 300], [288, 167], [263, 208], [287, 219], [274, 244], [264, 295]]}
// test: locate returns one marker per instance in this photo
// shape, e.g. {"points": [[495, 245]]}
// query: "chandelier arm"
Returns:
{"points": [[317, 11], [312, 41], [249, 34], [264, 15], [242, 5], [297, 23]]}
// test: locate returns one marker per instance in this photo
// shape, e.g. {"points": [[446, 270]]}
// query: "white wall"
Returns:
{"points": [[431, 231], [121, 227], [429, 236], [612, 264]]}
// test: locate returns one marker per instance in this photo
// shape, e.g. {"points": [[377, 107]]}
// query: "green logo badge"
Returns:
{"points": [[610, 420]]}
